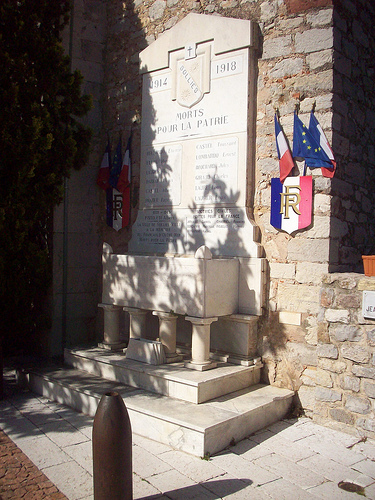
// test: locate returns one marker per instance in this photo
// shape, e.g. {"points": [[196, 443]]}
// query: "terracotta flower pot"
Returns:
{"points": [[369, 264]]}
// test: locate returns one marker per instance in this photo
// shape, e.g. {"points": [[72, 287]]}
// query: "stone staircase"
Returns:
{"points": [[200, 413]]}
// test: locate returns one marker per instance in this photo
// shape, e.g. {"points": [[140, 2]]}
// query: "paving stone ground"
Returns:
{"points": [[47, 450], [20, 478]]}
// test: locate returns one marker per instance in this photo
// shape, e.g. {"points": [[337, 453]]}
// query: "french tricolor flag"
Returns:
{"points": [[317, 132], [291, 203], [105, 167], [285, 157]]}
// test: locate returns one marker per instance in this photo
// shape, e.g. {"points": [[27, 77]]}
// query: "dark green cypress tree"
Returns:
{"points": [[41, 140]]}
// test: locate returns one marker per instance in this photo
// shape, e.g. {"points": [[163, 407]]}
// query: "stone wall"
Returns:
{"points": [[340, 389], [324, 45]]}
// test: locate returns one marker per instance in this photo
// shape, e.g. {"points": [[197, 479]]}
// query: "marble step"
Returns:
{"points": [[173, 380], [196, 429]]}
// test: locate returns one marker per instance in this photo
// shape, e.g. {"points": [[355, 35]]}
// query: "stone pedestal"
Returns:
{"points": [[137, 326], [200, 344], [235, 339], [146, 351], [112, 340], [167, 335]]}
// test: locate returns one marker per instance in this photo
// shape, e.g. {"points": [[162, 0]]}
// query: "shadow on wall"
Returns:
{"points": [[353, 132]]}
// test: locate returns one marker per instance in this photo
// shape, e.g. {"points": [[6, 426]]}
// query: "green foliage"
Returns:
{"points": [[41, 140]]}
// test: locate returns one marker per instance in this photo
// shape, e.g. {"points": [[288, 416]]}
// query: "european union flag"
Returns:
{"points": [[306, 147]]}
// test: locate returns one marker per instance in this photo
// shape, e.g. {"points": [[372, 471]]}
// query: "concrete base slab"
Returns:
{"points": [[173, 380], [196, 429]]}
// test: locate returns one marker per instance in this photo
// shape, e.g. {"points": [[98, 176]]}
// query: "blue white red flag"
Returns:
{"points": [[125, 174], [104, 170], [317, 132], [285, 157], [291, 203], [120, 180], [116, 165], [109, 206], [124, 182]]}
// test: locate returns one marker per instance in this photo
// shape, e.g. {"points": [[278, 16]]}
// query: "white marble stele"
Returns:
{"points": [[193, 255]]}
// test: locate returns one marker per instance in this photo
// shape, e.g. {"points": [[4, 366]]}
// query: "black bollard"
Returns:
{"points": [[112, 450]]}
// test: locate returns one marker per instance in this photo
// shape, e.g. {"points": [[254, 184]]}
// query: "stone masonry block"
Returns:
{"points": [[321, 81], [358, 354], [327, 296], [343, 333], [322, 203], [321, 227], [320, 18], [156, 10], [332, 365], [309, 376], [306, 397], [321, 411], [341, 415], [363, 371], [267, 165], [358, 404], [268, 11], [368, 424], [337, 316], [314, 40], [276, 47], [350, 300], [302, 353], [327, 351], [289, 24], [366, 284], [350, 383], [282, 271], [323, 378], [298, 298], [324, 394], [308, 250], [311, 326], [287, 67], [369, 388], [322, 333], [348, 281]]}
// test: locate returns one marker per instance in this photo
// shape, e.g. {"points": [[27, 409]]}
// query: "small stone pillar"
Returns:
{"points": [[200, 344], [137, 327], [112, 340], [167, 335]]}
